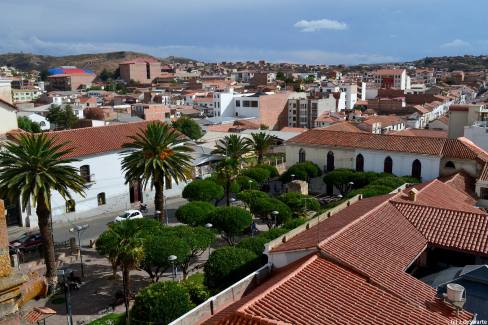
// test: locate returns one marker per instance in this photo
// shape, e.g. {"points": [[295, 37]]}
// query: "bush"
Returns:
{"points": [[263, 208], [298, 202], [371, 190], [228, 265], [161, 303], [194, 213], [197, 290], [244, 183], [231, 221], [274, 233], [203, 190], [254, 244], [188, 127], [234, 186], [259, 175], [249, 196], [294, 223], [303, 171], [390, 181], [273, 171], [110, 319]]}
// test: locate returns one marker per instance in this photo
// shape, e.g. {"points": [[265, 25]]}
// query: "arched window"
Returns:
{"points": [[388, 165], [85, 173], [301, 155], [330, 161], [70, 206], [359, 163], [101, 198], [416, 169], [450, 164]]}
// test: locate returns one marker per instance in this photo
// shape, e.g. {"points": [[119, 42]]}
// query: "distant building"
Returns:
{"points": [[143, 70], [391, 78], [70, 78], [470, 121], [25, 95]]}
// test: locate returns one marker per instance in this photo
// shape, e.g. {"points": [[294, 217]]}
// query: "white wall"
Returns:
{"points": [[8, 118], [373, 160]]}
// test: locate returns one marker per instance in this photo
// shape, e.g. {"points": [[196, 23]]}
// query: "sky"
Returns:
{"points": [[300, 31]]}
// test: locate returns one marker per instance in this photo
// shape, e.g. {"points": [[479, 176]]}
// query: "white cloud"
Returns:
{"points": [[457, 43], [315, 25]]}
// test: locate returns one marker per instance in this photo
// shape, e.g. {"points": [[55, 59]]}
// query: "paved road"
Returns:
{"points": [[98, 224]]}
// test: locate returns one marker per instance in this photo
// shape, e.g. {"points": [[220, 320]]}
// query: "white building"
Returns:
{"points": [[391, 78], [39, 119]]}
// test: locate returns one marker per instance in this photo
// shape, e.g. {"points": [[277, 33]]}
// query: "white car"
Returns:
{"points": [[129, 215]]}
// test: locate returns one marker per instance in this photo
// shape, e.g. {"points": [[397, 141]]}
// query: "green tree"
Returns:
{"points": [[62, 117], [128, 251], [342, 179], [254, 244], [197, 239], [203, 190], [299, 203], [33, 167], [188, 127], [260, 143], [157, 155], [249, 196], [246, 183], [280, 76], [161, 303], [263, 208], [27, 125], [231, 221], [233, 147], [273, 171], [194, 213], [303, 171], [228, 265], [197, 290], [259, 175], [105, 75]]}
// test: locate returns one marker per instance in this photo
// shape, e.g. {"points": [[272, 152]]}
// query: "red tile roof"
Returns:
{"points": [[422, 133], [345, 126], [96, 140]]}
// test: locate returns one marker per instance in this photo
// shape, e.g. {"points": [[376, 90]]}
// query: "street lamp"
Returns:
{"points": [[292, 177], [79, 229], [172, 259], [275, 215], [67, 294], [232, 200], [157, 214], [250, 183], [209, 226]]}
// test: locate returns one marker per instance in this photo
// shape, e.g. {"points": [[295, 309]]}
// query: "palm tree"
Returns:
{"points": [[232, 146], [123, 244], [227, 171], [260, 144], [33, 167], [155, 155]]}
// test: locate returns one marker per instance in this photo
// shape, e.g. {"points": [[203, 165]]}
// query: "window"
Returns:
{"points": [[301, 155], [330, 161], [254, 103], [359, 163], [85, 173], [450, 164], [246, 103], [388, 165], [416, 169], [70, 206], [484, 193], [238, 103], [101, 198]]}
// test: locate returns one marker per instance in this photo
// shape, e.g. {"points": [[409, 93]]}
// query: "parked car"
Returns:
{"points": [[25, 243], [129, 215]]}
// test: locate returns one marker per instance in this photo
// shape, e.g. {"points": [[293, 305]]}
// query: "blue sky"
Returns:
{"points": [[304, 31]]}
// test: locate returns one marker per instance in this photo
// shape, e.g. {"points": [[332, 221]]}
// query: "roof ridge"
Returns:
{"points": [[378, 135], [95, 127], [482, 214]]}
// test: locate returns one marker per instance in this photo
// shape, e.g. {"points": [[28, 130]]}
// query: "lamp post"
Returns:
{"points": [[292, 177], [157, 214], [209, 226], [250, 183], [67, 294], [275, 215], [232, 200], [79, 229], [172, 259]]}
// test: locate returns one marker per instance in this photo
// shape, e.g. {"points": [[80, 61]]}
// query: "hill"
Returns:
{"points": [[450, 63], [96, 62]]}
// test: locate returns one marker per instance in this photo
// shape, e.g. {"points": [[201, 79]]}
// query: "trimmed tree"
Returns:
{"points": [[228, 265], [194, 213], [249, 196], [342, 179], [260, 175], [188, 127], [246, 183], [303, 171], [273, 171], [263, 208], [299, 203], [203, 190], [161, 303], [231, 221]]}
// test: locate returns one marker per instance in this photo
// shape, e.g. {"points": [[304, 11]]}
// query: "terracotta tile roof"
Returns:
{"points": [[345, 126], [449, 228], [464, 183], [459, 108], [292, 129], [484, 173], [323, 292], [96, 140], [385, 120], [429, 146], [422, 133], [311, 237], [462, 148]]}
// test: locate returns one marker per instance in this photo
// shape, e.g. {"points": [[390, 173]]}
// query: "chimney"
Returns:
{"points": [[412, 194]]}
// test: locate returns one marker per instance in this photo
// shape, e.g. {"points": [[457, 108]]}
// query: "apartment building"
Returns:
{"points": [[303, 112], [142, 70], [70, 78], [391, 78], [470, 121]]}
